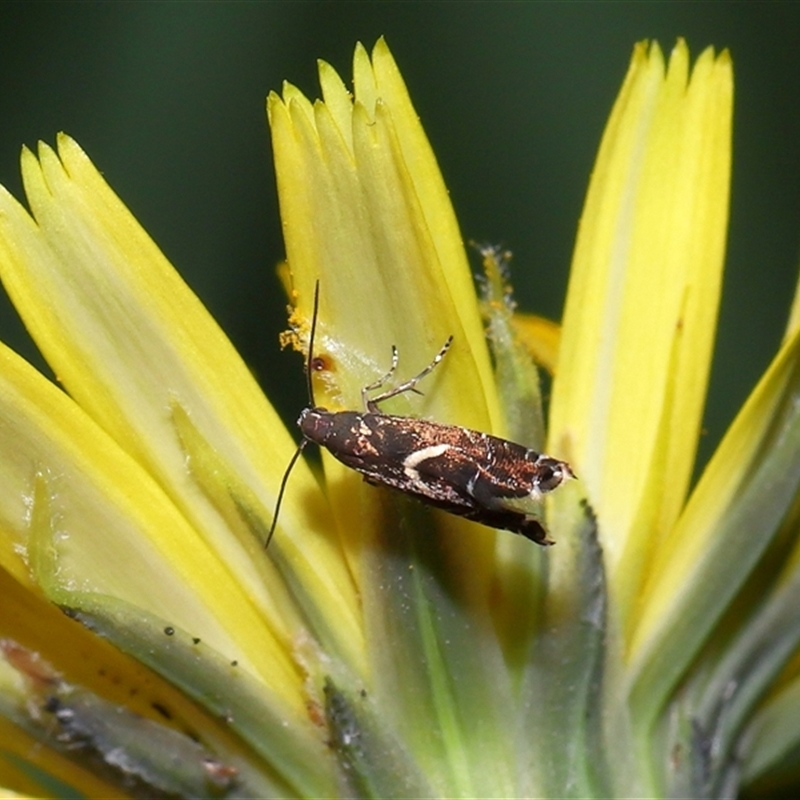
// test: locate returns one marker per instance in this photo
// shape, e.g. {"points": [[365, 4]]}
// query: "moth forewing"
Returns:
{"points": [[494, 481]]}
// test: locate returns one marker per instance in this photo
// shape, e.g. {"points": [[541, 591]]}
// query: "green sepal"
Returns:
{"points": [[516, 375], [293, 759], [418, 602], [372, 763], [145, 756], [772, 739], [520, 577], [725, 688], [563, 689]]}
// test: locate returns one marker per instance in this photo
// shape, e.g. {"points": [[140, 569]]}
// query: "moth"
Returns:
{"points": [[465, 472]]}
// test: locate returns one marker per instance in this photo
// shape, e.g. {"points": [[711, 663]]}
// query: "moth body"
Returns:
{"points": [[463, 471]]}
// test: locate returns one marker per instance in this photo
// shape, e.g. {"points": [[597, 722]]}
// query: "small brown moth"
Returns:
{"points": [[463, 471]]}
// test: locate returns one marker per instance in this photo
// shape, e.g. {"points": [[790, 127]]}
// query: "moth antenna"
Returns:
{"points": [[282, 490], [311, 346], [304, 442]]}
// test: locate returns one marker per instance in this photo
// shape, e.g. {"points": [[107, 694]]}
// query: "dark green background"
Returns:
{"points": [[168, 100]]}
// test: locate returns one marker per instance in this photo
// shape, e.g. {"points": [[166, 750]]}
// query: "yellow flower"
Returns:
{"points": [[379, 648]]}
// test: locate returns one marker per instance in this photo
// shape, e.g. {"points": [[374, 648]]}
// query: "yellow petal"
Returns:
{"points": [[129, 341], [540, 337], [642, 303], [366, 213], [114, 530]]}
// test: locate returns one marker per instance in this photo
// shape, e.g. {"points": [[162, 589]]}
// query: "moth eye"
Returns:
{"points": [[550, 477]]}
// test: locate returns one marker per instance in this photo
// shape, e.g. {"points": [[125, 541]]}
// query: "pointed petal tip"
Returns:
{"points": [[381, 48]]}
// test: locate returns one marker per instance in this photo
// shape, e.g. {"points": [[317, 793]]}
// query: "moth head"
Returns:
{"points": [[313, 421], [551, 473]]}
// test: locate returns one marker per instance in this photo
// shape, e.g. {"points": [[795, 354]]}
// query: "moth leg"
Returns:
{"points": [[494, 513], [485, 493], [378, 383], [407, 386], [532, 529]]}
